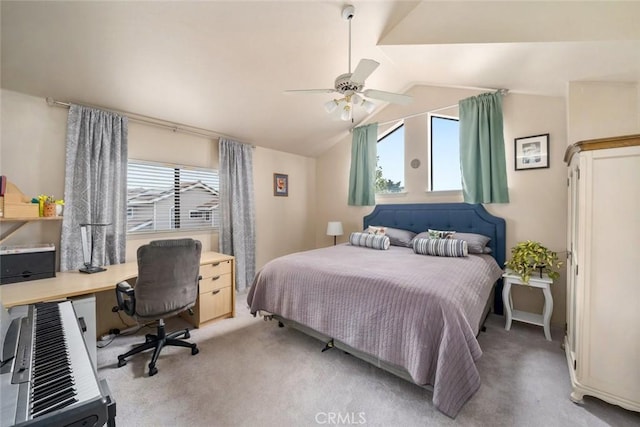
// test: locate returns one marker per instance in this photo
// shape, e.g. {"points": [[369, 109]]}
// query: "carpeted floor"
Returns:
{"points": [[252, 373]]}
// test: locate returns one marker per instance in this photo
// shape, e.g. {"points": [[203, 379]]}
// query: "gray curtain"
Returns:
{"points": [[237, 211], [482, 159], [362, 176], [95, 188]]}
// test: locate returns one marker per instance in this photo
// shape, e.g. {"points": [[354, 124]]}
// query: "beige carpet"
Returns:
{"points": [[252, 373]]}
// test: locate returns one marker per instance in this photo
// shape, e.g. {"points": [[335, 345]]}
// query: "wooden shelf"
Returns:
{"points": [[40, 218]]}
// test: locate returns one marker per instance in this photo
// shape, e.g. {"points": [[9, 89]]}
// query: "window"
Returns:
{"points": [[444, 152], [390, 161], [165, 197]]}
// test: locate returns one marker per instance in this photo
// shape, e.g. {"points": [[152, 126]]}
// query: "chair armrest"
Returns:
{"points": [[124, 287], [125, 295]]}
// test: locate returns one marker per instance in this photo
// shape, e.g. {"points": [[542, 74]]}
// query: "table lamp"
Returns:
{"points": [[334, 228], [87, 247]]}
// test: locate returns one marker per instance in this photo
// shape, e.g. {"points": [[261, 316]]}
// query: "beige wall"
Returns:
{"points": [[602, 109], [283, 224], [32, 154], [537, 210]]}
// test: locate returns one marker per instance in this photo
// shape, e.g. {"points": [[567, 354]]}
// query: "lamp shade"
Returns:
{"points": [[334, 228]]}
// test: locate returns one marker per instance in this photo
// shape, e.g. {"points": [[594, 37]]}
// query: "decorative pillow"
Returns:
{"points": [[399, 237], [476, 242], [431, 233], [369, 240], [441, 247], [440, 234], [374, 229]]}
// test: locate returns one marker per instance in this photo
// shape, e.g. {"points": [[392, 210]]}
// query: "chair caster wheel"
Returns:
{"points": [[194, 351], [280, 325], [187, 335], [121, 363], [152, 370]]}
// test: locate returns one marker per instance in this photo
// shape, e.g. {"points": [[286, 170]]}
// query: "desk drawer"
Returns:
{"points": [[214, 304], [210, 284], [215, 269]]}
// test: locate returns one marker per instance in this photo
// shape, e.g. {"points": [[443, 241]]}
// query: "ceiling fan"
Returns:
{"points": [[351, 85]]}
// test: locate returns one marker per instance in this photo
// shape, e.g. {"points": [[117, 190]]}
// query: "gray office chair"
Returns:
{"points": [[167, 284]]}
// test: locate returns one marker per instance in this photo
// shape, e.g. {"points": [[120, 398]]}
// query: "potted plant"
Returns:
{"points": [[529, 256]]}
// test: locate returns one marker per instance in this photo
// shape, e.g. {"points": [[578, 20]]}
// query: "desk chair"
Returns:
{"points": [[167, 284]]}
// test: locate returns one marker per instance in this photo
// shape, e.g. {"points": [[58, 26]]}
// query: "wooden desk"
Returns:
{"points": [[73, 283]]}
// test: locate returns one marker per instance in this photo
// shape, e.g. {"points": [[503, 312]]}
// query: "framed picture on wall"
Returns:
{"points": [[280, 184], [532, 152]]}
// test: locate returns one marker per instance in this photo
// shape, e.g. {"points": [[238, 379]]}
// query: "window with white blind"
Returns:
{"points": [[164, 197]]}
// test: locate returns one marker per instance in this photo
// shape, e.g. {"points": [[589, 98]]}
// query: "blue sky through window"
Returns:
{"points": [[445, 154]]}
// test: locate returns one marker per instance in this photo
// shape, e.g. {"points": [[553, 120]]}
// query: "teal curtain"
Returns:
{"points": [[482, 160], [362, 178]]}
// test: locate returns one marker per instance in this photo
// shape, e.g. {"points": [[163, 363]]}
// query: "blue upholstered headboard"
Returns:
{"points": [[462, 217]]}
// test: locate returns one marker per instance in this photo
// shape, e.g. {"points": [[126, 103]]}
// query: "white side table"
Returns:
{"points": [[535, 281]]}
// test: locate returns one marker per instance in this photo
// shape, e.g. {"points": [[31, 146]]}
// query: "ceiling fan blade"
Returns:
{"points": [[363, 70], [311, 91], [395, 98]]}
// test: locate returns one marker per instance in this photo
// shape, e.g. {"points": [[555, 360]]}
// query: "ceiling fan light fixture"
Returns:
{"points": [[356, 99], [346, 113], [331, 105], [368, 106]]}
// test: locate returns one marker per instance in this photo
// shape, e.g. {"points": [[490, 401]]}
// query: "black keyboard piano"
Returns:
{"points": [[47, 378]]}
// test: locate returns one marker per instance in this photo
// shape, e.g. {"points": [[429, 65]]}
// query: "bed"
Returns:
{"points": [[417, 316]]}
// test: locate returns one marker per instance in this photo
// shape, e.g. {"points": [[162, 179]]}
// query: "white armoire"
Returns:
{"points": [[602, 342]]}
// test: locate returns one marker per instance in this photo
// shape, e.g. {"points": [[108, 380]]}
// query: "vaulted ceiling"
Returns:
{"points": [[224, 65]]}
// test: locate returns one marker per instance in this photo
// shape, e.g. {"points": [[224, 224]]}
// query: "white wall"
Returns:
{"points": [[537, 210]]}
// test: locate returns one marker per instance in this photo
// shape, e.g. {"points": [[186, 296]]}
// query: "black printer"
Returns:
{"points": [[27, 262]]}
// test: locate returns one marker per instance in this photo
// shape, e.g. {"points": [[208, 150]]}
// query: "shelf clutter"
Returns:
{"points": [[16, 205]]}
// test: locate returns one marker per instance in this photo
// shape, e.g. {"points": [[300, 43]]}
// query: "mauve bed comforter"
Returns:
{"points": [[414, 311]]}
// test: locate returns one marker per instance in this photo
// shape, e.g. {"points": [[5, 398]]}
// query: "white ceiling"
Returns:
{"points": [[223, 65]]}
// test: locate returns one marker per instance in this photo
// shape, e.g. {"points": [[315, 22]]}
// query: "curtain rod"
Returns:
{"points": [[502, 92], [152, 121]]}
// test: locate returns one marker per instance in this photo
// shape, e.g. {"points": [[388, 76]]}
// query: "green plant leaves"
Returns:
{"points": [[529, 256]]}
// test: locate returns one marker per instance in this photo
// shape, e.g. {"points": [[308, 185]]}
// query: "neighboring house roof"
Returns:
{"points": [[135, 225], [140, 196]]}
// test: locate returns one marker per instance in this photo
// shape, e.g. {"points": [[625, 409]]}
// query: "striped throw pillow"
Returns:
{"points": [[368, 240], [441, 247]]}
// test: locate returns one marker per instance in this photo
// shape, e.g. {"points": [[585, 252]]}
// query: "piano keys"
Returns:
{"points": [[47, 377]]}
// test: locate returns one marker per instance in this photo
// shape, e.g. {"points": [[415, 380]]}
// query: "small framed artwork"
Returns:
{"points": [[532, 152], [280, 184]]}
